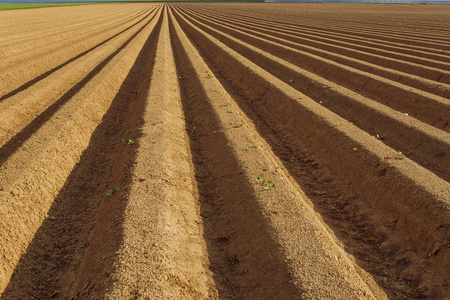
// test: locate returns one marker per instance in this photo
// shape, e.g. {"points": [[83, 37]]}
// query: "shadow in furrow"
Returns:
{"points": [[245, 257], [11, 146], [72, 254], [384, 92], [365, 234], [49, 72], [423, 149]]}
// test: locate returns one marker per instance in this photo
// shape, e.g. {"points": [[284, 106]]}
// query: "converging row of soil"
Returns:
{"points": [[193, 151]]}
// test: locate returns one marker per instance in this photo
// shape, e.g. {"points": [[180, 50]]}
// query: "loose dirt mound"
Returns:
{"points": [[225, 151]]}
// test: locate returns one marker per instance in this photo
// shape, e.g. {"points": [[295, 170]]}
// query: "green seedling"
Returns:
{"points": [[408, 153], [128, 141], [260, 103], [128, 130], [297, 192], [293, 80], [191, 95], [355, 149], [227, 104], [194, 129], [292, 158], [417, 99], [140, 128], [75, 262], [111, 192], [209, 75], [252, 146], [48, 217], [56, 117], [207, 99], [380, 137], [270, 185], [98, 160], [230, 111]]}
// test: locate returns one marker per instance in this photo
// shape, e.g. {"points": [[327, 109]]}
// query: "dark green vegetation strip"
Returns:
{"points": [[10, 6]]}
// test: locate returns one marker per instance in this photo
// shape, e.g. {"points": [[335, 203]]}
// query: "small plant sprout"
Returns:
{"points": [[240, 113], [292, 158], [355, 149], [209, 75], [56, 117], [48, 217], [270, 185], [293, 80], [208, 99], [128, 141], [98, 160], [230, 111], [380, 137], [227, 104], [128, 131], [297, 192], [75, 262], [112, 191], [194, 129], [252, 146], [417, 99]]}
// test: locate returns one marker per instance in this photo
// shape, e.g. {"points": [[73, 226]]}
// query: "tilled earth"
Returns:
{"points": [[225, 151]]}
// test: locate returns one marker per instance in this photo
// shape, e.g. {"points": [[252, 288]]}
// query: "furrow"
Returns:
{"points": [[372, 66], [30, 108], [162, 218], [433, 110], [30, 186], [40, 47], [399, 189], [19, 77], [54, 26], [262, 243], [404, 63], [326, 30], [428, 144]]}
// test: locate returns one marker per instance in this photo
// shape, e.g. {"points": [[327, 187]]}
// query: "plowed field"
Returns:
{"points": [[255, 151]]}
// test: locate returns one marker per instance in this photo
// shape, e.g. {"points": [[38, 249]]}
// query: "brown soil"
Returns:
{"points": [[194, 151]]}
